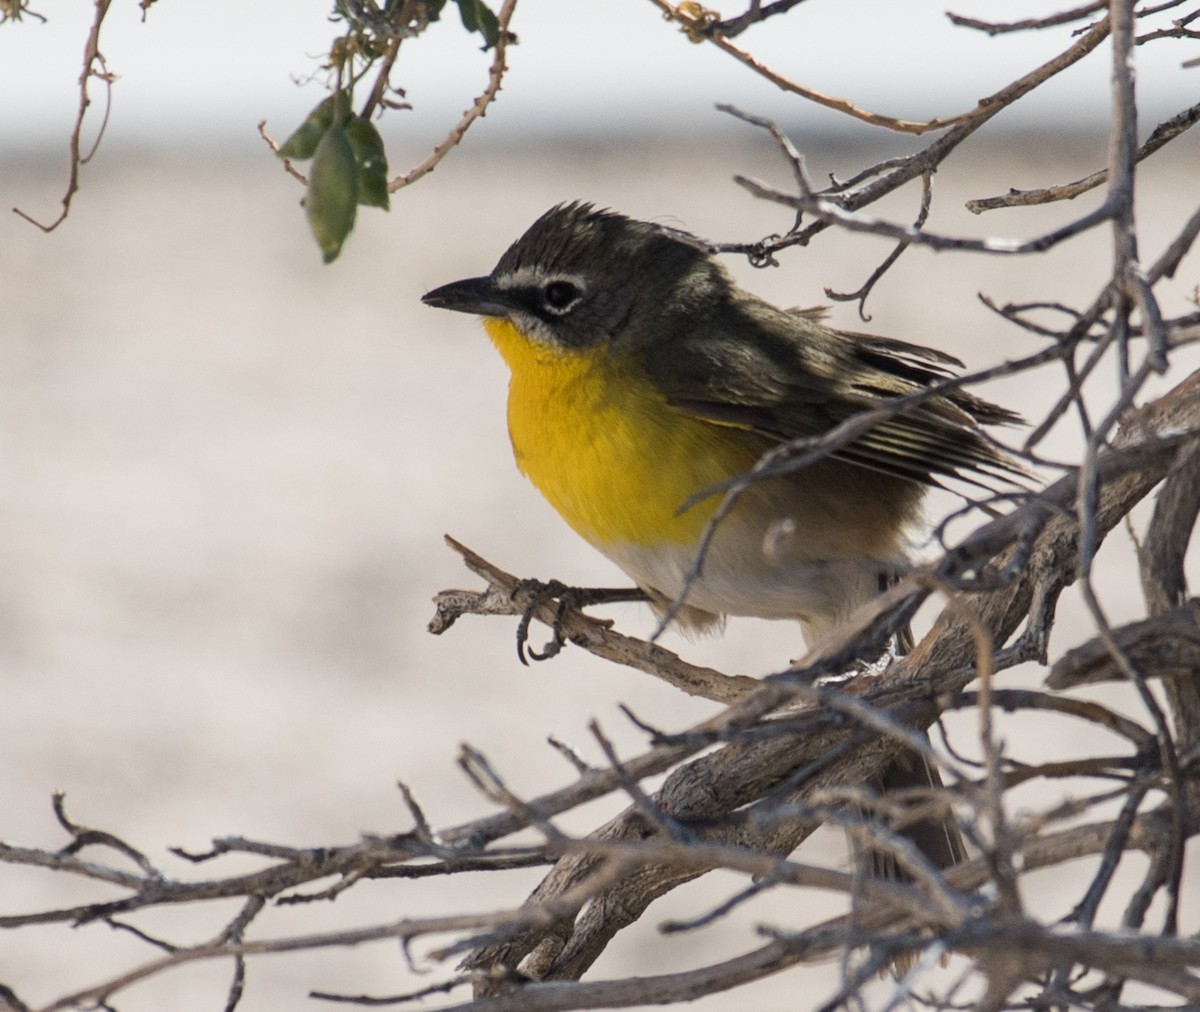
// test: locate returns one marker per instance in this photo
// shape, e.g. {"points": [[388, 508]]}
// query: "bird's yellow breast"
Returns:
{"points": [[606, 449]]}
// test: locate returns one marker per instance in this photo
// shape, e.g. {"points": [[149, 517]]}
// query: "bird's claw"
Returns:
{"points": [[537, 593]]}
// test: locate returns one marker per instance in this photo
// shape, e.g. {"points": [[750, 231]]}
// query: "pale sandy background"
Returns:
{"points": [[225, 471]]}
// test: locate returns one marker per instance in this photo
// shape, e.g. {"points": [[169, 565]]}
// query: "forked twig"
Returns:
{"points": [[92, 59]]}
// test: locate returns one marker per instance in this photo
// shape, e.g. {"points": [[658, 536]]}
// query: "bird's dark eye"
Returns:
{"points": [[560, 296]]}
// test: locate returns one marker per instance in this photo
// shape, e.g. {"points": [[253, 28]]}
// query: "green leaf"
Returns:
{"points": [[478, 17], [372, 162], [302, 144], [433, 9], [332, 198]]}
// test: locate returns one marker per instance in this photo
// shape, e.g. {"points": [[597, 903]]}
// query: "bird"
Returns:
{"points": [[644, 380]]}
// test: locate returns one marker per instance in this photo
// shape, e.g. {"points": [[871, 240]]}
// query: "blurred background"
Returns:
{"points": [[226, 470]]}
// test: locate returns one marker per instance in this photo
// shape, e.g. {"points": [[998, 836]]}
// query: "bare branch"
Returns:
{"points": [[698, 25], [478, 109], [1163, 134], [594, 635], [1062, 18], [93, 66]]}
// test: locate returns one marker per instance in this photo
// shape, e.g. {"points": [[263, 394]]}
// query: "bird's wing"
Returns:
{"points": [[791, 377]]}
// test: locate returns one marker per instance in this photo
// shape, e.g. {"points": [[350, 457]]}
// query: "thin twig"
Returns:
{"points": [[1162, 135], [92, 59], [478, 108], [700, 30]]}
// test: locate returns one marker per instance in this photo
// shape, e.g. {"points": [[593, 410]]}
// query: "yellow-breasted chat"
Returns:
{"points": [[644, 377]]}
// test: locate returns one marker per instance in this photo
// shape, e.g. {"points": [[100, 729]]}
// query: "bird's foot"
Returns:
{"points": [[535, 593]]}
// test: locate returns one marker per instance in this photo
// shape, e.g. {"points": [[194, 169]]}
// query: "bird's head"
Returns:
{"points": [[582, 277]]}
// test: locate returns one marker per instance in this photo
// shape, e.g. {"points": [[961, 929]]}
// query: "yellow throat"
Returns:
{"points": [[606, 449]]}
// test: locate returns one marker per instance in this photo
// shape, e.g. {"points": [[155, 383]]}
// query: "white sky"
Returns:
{"points": [[206, 71]]}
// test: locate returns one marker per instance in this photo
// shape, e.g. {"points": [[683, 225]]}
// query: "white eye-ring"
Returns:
{"points": [[560, 295]]}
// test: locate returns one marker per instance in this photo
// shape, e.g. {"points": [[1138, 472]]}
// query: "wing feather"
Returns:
{"points": [[785, 376]]}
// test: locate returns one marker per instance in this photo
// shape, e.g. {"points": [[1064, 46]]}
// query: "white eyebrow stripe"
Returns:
{"points": [[531, 277], [526, 277]]}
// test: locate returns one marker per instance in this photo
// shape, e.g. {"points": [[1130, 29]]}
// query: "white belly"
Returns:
{"points": [[740, 579]]}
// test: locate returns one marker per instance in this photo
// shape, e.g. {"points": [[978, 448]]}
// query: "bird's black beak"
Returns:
{"points": [[475, 295]]}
